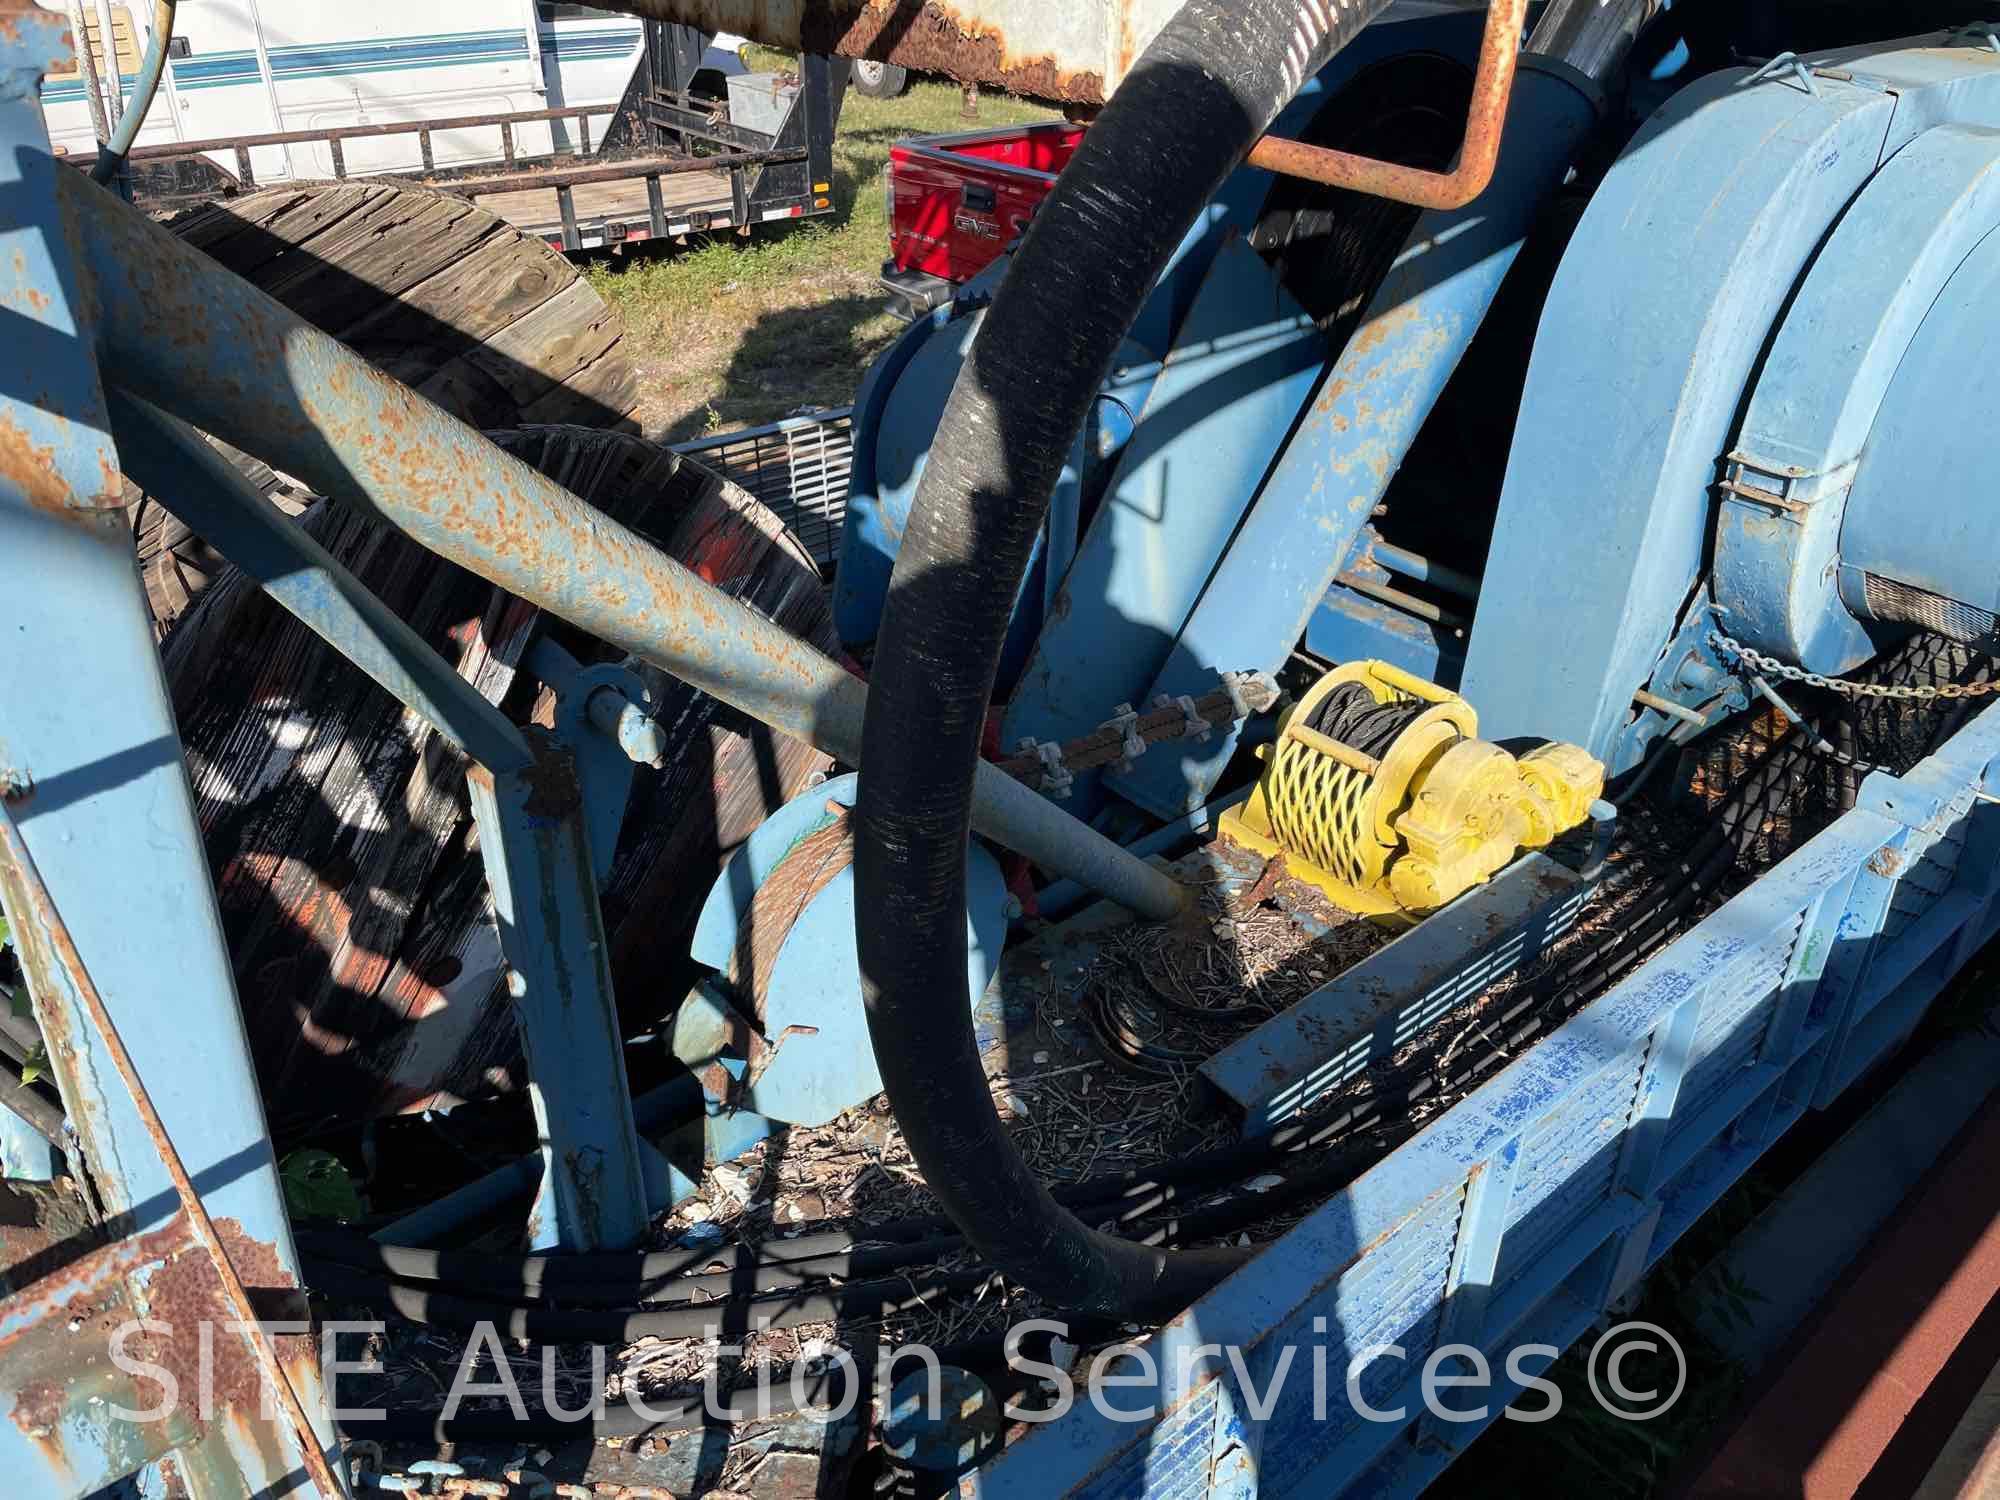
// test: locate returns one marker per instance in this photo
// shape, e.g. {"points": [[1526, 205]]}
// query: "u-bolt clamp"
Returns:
{"points": [[1056, 779], [1193, 725], [1132, 744]]}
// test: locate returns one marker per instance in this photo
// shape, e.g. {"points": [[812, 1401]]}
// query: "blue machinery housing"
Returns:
{"points": [[1516, 1216]]}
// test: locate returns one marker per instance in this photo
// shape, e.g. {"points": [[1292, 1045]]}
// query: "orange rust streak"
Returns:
{"points": [[1492, 87], [48, 928]]}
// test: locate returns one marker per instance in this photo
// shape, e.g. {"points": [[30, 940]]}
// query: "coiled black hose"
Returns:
{"points": [[1205, 89]]}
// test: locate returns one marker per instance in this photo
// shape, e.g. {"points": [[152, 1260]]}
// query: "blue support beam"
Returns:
{"points": [[90, 763], [592, 1192], [1336, 466], [1243, 362]]}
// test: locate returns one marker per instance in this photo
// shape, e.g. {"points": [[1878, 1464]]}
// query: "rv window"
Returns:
{"points": [[553, 12], [126, 46]]}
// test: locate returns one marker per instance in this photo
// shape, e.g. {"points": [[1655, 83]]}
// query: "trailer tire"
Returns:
{"points": [[879, 80], [491, 324]]}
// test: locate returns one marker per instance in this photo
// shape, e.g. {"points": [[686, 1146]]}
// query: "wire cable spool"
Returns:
{"points": [[1379, 792]]}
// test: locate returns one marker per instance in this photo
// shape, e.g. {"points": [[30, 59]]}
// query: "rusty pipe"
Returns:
{"points": [[42, 924], [177, 330], [1492, 86]]}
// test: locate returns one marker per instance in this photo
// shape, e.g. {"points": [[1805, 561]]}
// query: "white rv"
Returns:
{"points": [[249, 68]]}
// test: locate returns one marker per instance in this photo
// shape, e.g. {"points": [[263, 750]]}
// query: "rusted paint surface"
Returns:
{"points": [[25, 25], [1004, 46], [38, 910], [55, 1347], [32, 470], [936, 38], [1491, 88], [56, 1344]]}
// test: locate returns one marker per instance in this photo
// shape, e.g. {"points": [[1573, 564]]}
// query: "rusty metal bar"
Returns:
{"points": [[650, 166], [1492, 85], [40, 911], [181, 332], [1422, 608], [204, 489], [1070, 51], [168, 149], [21, 1100]]}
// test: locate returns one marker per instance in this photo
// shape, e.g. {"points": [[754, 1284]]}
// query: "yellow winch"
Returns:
{"points": [[1380, 793]]}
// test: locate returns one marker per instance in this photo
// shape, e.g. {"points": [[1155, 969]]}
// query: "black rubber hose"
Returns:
{"points": [[1201, 94], [424, 1302], [823, 1389]]}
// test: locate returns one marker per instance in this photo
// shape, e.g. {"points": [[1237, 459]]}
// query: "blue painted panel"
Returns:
{"points": [[1935, 422], [1657, 316], [1336, 466], [1241, 367], [816, 982], [1822, 386], [1351, 627]]}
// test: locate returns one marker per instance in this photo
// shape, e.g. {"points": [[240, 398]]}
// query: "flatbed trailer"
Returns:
{"points": [[667, 161]]}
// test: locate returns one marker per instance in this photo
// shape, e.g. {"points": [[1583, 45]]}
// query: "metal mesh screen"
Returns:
{"points": [[1904, 604], [798, 467]]}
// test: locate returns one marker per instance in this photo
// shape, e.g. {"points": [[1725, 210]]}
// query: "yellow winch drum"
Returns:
{"points": [[1435, 813]]}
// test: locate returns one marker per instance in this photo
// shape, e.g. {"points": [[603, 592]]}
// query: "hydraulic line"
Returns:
{"points": [[823, 1389], [111, 155], [1205, 89]]}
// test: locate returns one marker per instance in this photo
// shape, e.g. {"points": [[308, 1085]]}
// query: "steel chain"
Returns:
{"points": [[1772, 667]]}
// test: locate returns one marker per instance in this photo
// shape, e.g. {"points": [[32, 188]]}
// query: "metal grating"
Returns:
{"points": [[1172, 1462], [1393, 1295], [798, 467], [1886, 599], [1569, 1163], [1480, 973]]}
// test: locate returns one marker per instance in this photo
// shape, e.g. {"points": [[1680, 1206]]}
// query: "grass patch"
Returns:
{"points": [[735, 332]]}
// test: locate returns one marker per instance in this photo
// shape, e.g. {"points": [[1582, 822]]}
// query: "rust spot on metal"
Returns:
{"points": [[30, 468], [186, 1292], [933, 37], [1886, 861]]}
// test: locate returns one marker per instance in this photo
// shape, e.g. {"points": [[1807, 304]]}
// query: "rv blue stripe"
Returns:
{"points": [[400, 54]]}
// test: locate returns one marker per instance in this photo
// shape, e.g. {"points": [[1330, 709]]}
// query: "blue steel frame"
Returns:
{"points": [[1516, 1217], [90, 765]]}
